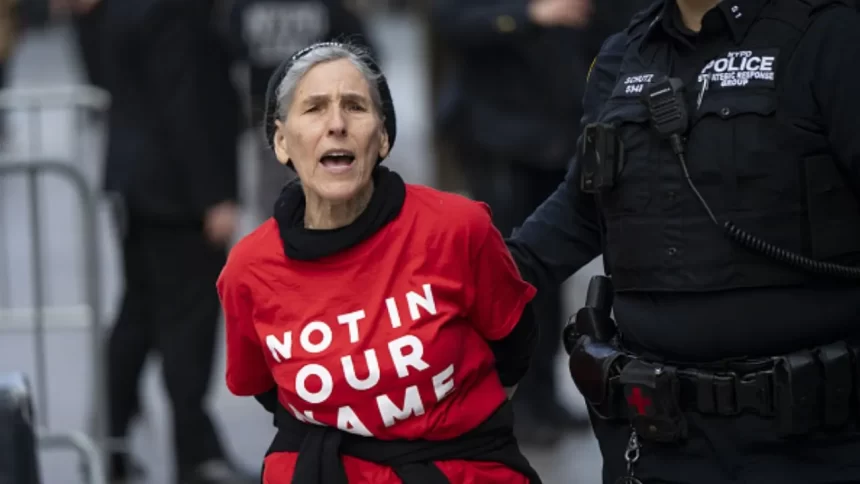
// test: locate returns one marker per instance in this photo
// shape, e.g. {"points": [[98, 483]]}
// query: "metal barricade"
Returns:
{"points": [[83, 101]]}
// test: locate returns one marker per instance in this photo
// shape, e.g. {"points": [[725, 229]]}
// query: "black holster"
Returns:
{"points": [[595, 368], [614, 383], [595, 362]]}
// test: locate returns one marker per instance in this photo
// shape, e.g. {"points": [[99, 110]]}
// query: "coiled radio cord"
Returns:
{"points": [[758, 245]]}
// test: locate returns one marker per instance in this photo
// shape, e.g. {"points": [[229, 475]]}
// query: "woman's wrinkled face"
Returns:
{"points": [[332, 133]]}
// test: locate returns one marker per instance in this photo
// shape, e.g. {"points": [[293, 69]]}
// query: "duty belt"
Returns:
{"points": [[802, 392]]}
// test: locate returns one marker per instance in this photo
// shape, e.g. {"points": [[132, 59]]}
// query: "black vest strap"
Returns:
{"points": [[320, 448]]}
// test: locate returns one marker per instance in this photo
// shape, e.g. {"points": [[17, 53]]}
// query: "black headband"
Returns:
{"points": [[271, 113]]}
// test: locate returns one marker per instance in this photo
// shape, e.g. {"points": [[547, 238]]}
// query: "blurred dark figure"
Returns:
{"points": [[612, 16], [8, 33], [87, 24], [266, 32], [514, 147], [172, 159]]}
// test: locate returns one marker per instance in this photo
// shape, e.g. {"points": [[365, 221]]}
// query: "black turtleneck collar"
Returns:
{"points": [[300, 243]]}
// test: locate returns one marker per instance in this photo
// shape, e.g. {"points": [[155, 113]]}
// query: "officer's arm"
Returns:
{"points": [[834, 43], [465, 24], [563, 234]]}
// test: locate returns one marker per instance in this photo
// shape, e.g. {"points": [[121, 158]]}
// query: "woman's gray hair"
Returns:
{"points": [[359, 57]]}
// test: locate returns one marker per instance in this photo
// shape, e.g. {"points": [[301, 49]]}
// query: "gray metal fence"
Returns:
{"points": [[32, 166]]}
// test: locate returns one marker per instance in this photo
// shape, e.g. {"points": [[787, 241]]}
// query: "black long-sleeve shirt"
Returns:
{"points": [[564, 233]]}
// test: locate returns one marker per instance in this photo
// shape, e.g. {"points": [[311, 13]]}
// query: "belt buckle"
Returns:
{"points": [[754, 392]]}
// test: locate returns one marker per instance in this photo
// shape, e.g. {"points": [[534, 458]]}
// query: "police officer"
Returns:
{"points": [[719, 175], [266, 32]]}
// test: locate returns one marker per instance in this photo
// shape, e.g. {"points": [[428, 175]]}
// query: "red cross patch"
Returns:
{"points": [[636, 400]]}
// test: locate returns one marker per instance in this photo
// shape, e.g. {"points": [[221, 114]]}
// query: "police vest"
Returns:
{"points": [[777, 182]]}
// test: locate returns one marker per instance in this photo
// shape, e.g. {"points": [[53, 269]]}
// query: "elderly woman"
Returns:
{"points": [[380, 321]]}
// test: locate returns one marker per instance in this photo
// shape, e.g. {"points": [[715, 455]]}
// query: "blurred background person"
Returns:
{"points": [[512, 110], [172, 157], [87, 24], [611, 16], [8, 37], [264, 33], [8, 34]]}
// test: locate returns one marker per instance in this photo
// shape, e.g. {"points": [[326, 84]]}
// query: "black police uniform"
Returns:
{"points": [[771, 147]]}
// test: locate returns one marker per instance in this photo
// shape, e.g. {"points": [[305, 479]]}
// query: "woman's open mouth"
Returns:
{"points": [[337, 161]]}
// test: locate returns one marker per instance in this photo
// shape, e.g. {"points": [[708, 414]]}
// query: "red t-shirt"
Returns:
{"points": [[387, 338]]}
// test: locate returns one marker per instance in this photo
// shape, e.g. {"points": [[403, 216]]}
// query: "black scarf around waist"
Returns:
{"points": [[320, 448]]}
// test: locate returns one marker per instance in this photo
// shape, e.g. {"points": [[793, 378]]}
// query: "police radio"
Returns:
{"points": [[666, 103]]}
